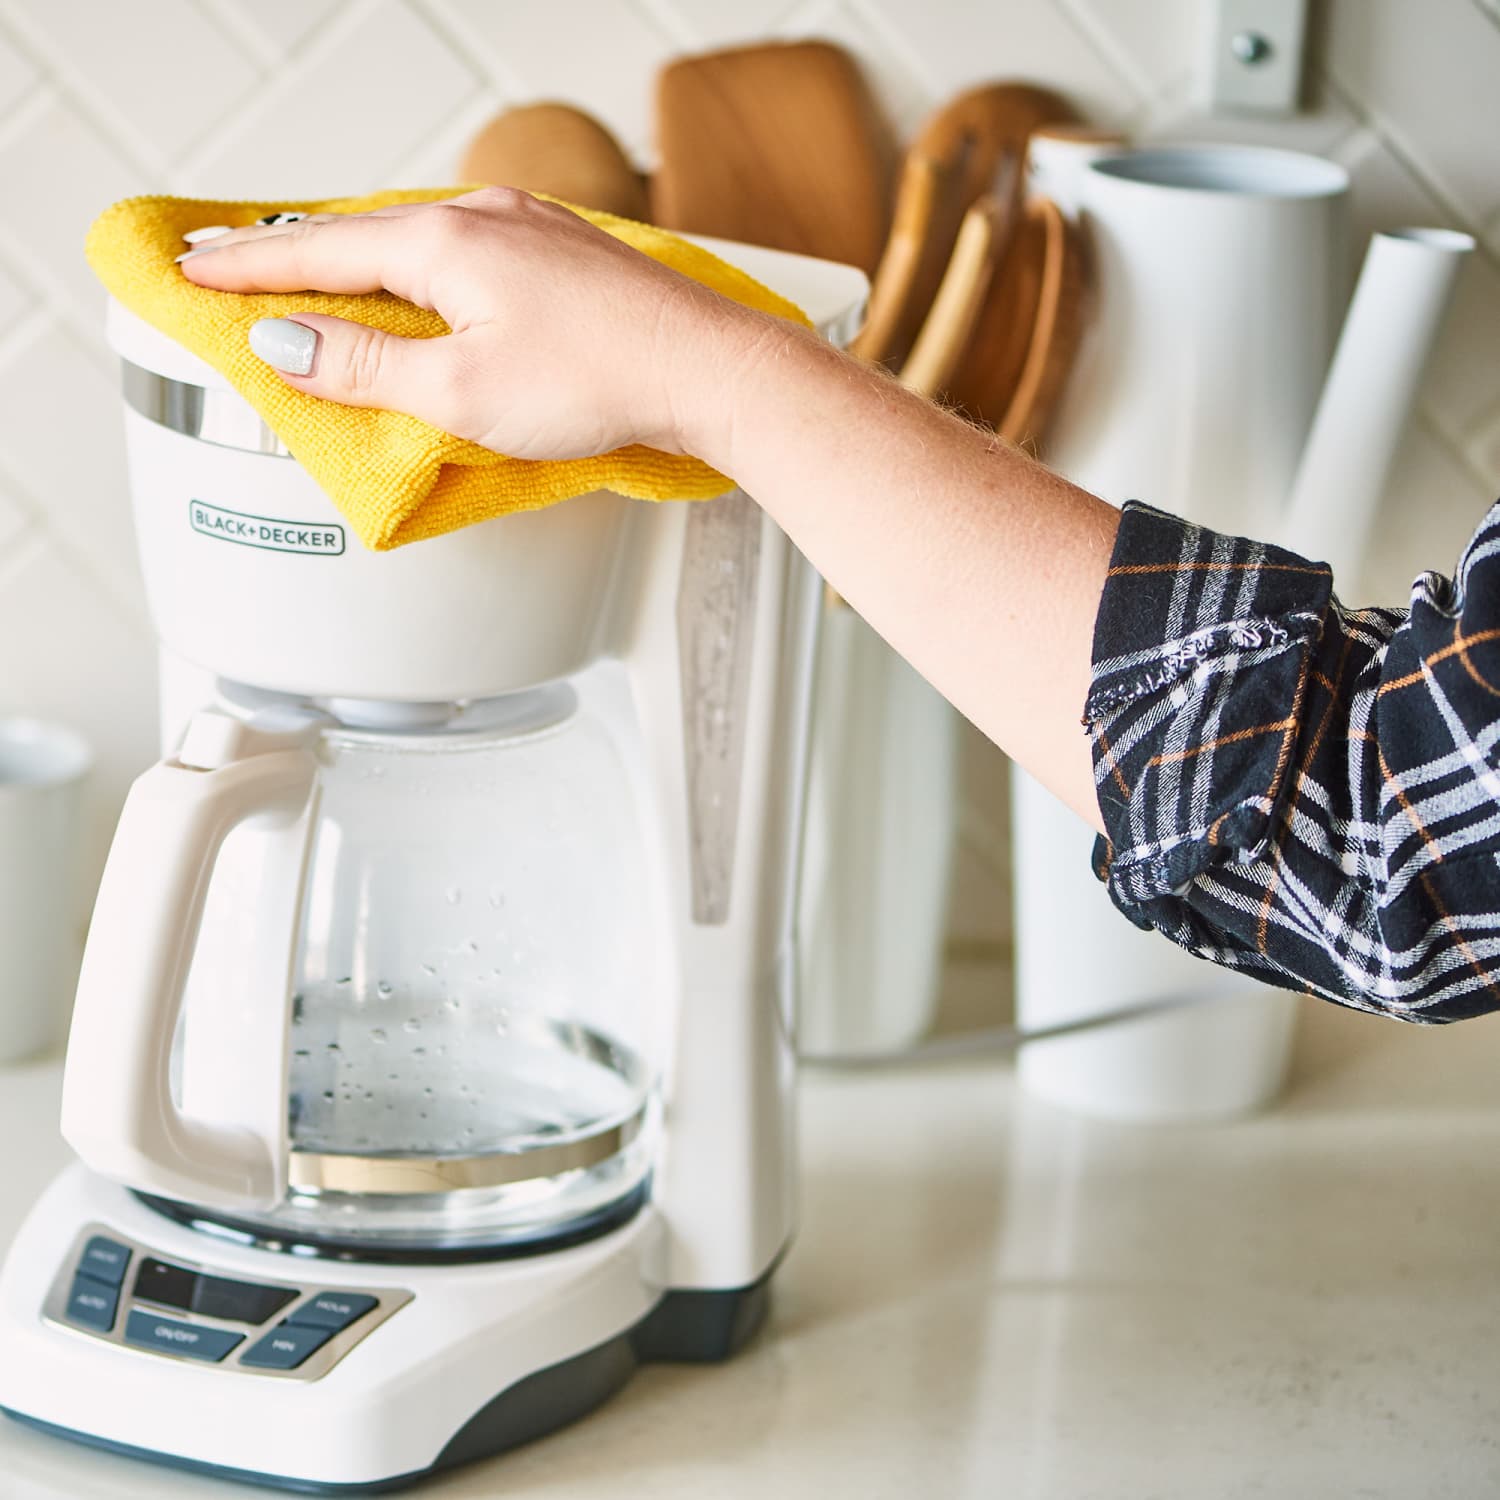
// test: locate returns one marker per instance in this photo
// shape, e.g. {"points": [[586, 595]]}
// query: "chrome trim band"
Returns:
{"points": [[317, 1172], [219, 417], [311, 1170]]}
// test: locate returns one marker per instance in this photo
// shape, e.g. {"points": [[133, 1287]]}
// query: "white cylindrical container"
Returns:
{"points": [[1399, 303], [43, 770], [878, 846], [1219, 297], [1057, 157]]}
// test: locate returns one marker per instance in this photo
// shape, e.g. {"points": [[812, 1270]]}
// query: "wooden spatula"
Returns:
{"points": [[1055, 244], [554, 148], [778, 145], [949, 324], [954, 159]]}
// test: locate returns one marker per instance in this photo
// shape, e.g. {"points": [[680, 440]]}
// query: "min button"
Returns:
{"points": [[286, 1347]]}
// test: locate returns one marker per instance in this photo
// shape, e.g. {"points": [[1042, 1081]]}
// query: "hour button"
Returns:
{"points": [[333, 1310]]}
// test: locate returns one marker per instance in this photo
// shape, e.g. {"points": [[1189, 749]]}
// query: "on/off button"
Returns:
{"points": [[167, 1336]]}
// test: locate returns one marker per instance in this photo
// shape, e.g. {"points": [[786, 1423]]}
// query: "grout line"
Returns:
{"points": [[1391, 138], [231, 127], [452, 136], [897, 48], [27, 111], [21, 549], [116, 130], [461, 39], [673, 25], [236, 25], [1097, 39]]}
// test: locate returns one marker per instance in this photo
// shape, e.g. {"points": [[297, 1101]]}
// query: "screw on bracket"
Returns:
{"points": [[1251, 48]]}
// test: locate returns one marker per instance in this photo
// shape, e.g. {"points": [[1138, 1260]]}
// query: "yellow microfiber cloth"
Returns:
{"points": [[396, 479]]}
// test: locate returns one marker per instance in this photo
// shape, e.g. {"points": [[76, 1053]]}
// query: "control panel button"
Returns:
{"points": [[286, 1347], [166, 1285], [167, 1336], [239, 1301], [104, 1260], [332, 1310], [92, 1304]]}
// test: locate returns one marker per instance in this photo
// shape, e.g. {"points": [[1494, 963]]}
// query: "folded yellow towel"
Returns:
{"points": [[395, 478]]}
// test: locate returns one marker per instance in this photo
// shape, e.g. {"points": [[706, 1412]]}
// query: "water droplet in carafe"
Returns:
{"points": [[497, 899], [411, 1025], [328, 1094], [419, 1052], [377, 1034], [302, 1052], [455, 895], [429, 969], [333, 1047], [347, 979], [296, 1010], [384, 989], [453, 1003]]}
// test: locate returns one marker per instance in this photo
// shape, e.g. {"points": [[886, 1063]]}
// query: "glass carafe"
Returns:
{"points": [[466, 1045], [458, 1055]]}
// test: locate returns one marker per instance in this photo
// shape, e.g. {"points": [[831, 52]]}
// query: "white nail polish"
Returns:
{"points": [[287, 346], [208, 232]]}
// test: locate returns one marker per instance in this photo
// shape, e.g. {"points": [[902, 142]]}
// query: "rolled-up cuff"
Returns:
{"points": [[1203, 646]]}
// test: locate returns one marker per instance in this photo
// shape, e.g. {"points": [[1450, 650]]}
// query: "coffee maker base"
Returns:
{"points": [[141, 1337]]}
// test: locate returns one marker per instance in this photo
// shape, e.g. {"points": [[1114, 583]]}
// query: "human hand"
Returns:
{"points": [[565, 342]]}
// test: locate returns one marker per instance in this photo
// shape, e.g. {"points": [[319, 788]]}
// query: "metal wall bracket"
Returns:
{"points": [[1252, 56]]}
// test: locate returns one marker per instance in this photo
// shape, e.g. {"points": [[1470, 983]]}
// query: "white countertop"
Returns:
{"points": [[991, 1298]]}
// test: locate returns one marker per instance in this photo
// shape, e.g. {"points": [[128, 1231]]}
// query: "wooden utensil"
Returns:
{"points": [[949, 324], [1057, 329], [556, 149], [955, 157], [778, 145]]}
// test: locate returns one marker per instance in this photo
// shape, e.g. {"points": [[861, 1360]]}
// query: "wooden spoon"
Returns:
{"points": [[556, 149], [780, 145]]}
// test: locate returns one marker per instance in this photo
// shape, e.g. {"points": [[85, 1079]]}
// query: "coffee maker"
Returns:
{"points": [[432, 1061]]}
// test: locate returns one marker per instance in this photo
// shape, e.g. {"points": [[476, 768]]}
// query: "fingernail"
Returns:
{"points": [[289, 347], [208, 232], [201, 250]]}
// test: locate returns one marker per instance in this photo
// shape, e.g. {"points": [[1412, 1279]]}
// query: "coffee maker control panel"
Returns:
{"points": [[112, 1288]]}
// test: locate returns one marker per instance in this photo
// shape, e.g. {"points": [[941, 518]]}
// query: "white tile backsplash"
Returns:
{"points": [[100, 98], [97, 45], [17, 76]]}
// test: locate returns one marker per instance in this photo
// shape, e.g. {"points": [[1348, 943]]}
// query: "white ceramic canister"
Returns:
{"points": [[43, 771], [1221, 283]]}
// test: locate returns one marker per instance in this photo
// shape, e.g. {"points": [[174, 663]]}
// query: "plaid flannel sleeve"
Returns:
{"points": [[1300, 791]]}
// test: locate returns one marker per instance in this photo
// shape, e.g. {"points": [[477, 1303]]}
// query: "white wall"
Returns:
{"points": [[225, 98]]}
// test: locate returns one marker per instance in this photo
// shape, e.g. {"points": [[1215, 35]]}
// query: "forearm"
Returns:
{"points": [[981, 567]]}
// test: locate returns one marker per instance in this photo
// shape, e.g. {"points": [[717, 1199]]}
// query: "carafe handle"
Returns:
{"points": [[117, 1110]]}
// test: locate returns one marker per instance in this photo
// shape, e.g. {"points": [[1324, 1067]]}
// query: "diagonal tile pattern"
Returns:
{"points": [[284, 97]]}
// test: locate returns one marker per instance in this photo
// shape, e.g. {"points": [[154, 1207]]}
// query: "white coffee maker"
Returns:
{"points": [[432, 1060]]}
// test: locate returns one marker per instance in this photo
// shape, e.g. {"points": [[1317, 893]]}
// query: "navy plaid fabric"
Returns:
{"points": [[1304, 792]]}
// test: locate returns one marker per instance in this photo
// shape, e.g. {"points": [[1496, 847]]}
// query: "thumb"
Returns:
{"points": [[353, 363]]}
